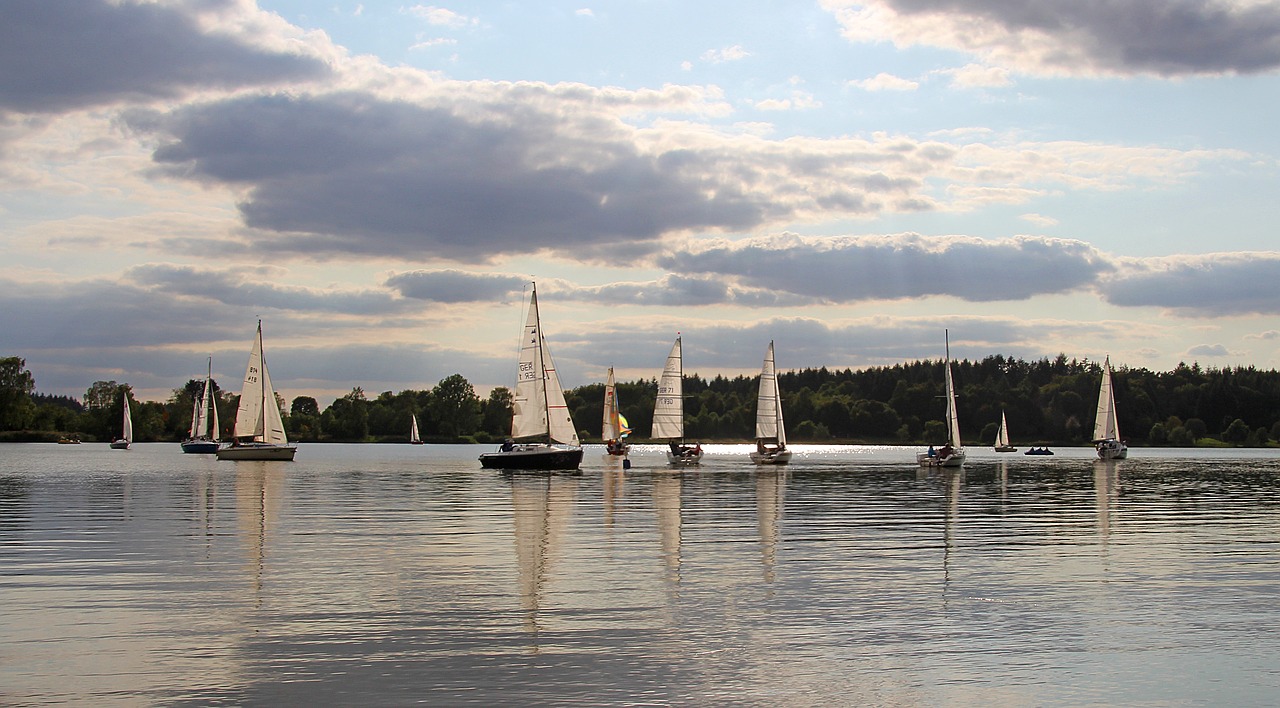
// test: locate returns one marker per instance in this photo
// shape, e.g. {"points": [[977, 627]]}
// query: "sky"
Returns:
{"points": [[380, 182]]}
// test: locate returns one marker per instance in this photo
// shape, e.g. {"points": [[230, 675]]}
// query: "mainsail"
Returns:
{"points": [[668, 407], [538, 403], [769, 425], [258, 416], [1106, 426]]}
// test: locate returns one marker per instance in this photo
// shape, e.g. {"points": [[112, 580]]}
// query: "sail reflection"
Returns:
{"points": [[771, 487], [666, 504], [258, 490], [542, 506], [1106, 491]]}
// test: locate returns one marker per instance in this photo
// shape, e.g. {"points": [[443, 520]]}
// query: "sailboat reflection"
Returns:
{"points": [[666, 504], [542, 506], [1106, 490], [771, 487], [612, 479], [258, 486], [952, 480]]}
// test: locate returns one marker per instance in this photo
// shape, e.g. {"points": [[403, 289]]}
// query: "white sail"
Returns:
{"points": [[953, 419], [559, 421], [538, 404], [1106, 426], [668, 407], [214, 432], [204, 414], [197, 411], [258, 416], [1002, 435], [769, 425], [413, 429], [609, 429], [127, 423]]}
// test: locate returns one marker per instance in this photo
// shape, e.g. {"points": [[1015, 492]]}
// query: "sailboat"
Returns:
{"points": [[771, 434], [1106, 428], [668, 411], [614, 426], [204, 419], [1002, 436], [126, 427], [259, 432], [414, 437], [540, 417], [952, 453]]}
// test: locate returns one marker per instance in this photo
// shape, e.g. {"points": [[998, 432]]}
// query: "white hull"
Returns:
{"points": [[773, 457], [1111, 450], [955, 459], [257, 451]]}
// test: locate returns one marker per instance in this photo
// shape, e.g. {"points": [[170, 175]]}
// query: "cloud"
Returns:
{"points": [[69, 54], [886, 82], [351, 174], [673, 290], [1165, 38], [1208, 350], [855, 269], [727, 54], [1039, 219], [477, 172], [253, 288], [456, 286], [442, 17], [978, 76], [1215, 284], [1267, 335]]}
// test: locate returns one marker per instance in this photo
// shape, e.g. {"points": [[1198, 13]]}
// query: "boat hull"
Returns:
{"points": [[1112, 450], [1039, 451], [119, 444], [533, 457], [955, 459], [200, 447], [771, 457], [1006, 448], [257, 451]]}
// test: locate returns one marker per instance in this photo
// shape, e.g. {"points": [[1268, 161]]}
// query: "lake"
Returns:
{"points": [[398, 574]]}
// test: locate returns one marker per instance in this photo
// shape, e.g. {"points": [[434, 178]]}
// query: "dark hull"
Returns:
{"points": [[200, 447], [537, 458], [119, 444]]}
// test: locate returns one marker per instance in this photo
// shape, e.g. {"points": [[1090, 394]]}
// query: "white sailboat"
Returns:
{"points": [[540, 417], [414, 437], [203, 437], [668, 411], [259, 432], [1002, 436], [1106, 427], [952, 453], [126, 427], [771, 433], [613, 427]]}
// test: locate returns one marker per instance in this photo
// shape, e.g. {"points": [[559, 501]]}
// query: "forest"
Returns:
{"points": [[1047, 402]]}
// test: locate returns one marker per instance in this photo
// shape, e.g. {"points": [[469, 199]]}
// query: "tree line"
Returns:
{"points": [[1047, 402]]}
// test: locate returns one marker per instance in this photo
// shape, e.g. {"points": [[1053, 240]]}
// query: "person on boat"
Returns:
{"points": [[931, 452], [508, 445], [946, 451], [675, 449]]}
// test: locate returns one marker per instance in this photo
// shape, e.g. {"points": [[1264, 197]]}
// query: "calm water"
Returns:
{"points": [[389, 575]]}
